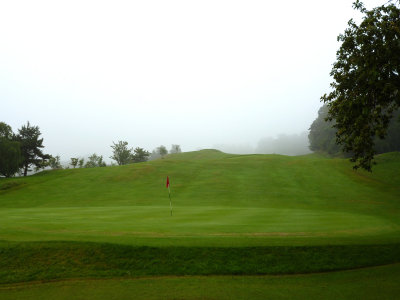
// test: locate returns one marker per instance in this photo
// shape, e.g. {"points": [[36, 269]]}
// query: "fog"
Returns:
{"points": [[201, 74], [285, 144]]}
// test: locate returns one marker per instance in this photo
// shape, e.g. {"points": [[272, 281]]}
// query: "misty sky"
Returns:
{"points": [[194, 73]]}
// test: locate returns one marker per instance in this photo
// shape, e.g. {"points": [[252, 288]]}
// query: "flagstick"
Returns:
{"points": [[170, 202]]}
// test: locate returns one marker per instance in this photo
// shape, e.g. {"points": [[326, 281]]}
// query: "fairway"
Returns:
{"points": [[232, 214]]}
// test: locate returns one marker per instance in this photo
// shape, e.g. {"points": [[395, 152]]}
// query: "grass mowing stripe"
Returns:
{"points": [[57, 260]]}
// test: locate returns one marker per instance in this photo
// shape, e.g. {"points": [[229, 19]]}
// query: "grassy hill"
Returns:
{"points": [[233, 214], [216, 196]]}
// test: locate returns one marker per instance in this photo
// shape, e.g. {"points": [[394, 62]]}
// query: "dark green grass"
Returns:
{"points": [[370, 283], [45, 261]]}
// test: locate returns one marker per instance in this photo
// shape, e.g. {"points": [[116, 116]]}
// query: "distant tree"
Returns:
{"points": [[74, 162], [10, 151], [154, 155], [95, 161], [54, 162], [162, 151], [81, 162], [366, 86], [10, 157], [6, 131], [121, 153], [140, 155], [322, 135], [175, 149], [31, 146]]}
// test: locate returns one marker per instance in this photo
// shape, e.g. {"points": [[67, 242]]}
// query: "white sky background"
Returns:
{"points": [[194, 73]]}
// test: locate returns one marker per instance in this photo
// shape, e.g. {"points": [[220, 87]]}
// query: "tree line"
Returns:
{"points": [[322, 136], [21, 153]]}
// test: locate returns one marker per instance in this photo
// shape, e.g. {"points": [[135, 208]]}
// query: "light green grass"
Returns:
{"points": [[370, 283], [215, 225], [271, 198], [223, 204]]}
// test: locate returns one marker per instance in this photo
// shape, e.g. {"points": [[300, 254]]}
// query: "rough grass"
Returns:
{"points": [[45, 261]]}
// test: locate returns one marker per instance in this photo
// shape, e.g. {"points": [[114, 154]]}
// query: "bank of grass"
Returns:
{"points": [[37, 261], [369, 283]]}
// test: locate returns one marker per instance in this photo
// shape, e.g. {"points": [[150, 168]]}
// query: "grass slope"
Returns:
{"points": [[256, 199], [233, 214], [371, 283]]}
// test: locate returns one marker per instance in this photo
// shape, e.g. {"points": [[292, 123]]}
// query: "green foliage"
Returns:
{"points": [[74, 162], [140, 155], [162, 151], [392, 140], [54, 162], [121, 154], [322, 135], [81, 162], [31, 146], [6, 131], [175, 149], [95, 161], [366, 81], [10, 151], [10, 157]]}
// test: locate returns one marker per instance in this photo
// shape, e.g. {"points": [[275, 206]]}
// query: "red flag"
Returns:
{"points": [[167, 182]]}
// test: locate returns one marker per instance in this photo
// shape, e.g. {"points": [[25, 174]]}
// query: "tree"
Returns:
{"points": [[140, 155], [81, 162], [31, 146], [366, 81], [162, 151], [322, 136], [54, 162], [10, 151], [95, 161], [175, 149], [6, 131], [10, 157], [121, 154], [74, 162]]}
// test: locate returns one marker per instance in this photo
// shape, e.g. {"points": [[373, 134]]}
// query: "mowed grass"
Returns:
{"points": [[371, 283], [270, 198], [195, 226], [233, 214]]}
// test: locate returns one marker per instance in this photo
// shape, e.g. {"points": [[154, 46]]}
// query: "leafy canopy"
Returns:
{"points": [[31, 145], [10, 151], [365, 91], [94, 161], [140, 155], [322, 136], [121, 153]]}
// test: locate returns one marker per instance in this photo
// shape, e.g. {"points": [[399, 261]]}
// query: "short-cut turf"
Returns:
{"points": [[226, 207], [218, 199]]}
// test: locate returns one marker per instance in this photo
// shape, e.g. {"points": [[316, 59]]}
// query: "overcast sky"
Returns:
{"points": [[194, 73]]}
